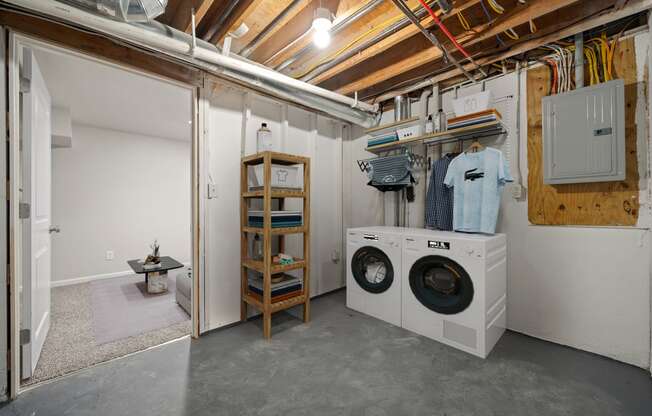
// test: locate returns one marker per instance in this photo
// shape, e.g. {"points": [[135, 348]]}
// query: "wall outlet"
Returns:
{"points": [[517, 191], [109, 255]]}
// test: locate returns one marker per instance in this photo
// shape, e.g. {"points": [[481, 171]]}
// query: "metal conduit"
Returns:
{"points": [[254, 43], [160, 38], [336, 28], [352, 52], [208, 36]]}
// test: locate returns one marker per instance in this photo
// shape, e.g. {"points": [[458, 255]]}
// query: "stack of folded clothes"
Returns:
{"points": [[280, 219], [283, 285], [474, 119], [384, 139]]}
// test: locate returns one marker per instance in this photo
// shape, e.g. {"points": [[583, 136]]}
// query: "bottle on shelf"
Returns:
{"points": [[264, 140], [443, 121], [430, 125]]}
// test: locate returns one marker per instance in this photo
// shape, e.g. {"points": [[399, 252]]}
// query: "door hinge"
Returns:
{"points": [[25, 336], [25, 85], [23, 210]]}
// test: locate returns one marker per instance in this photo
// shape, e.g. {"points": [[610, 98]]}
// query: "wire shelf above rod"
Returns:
{"points": [[492, 128]]}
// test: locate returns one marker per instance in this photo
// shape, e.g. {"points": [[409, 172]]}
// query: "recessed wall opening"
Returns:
{"points": [[106, 218]]}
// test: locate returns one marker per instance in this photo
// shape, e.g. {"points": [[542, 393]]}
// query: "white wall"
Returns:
{"points": [[232, 117], [586, 287], [117, 191]]}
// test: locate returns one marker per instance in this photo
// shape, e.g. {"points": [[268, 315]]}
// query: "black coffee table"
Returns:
{"points": [[167, 263]]}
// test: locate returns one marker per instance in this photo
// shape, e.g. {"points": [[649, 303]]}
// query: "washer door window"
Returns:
{"points": [[441, 285], [372, 269]]}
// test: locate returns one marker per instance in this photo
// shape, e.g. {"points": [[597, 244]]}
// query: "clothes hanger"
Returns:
{"points": [[475, 147]]}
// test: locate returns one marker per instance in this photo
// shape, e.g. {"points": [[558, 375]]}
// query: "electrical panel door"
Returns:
{"points": [[584, 135]]}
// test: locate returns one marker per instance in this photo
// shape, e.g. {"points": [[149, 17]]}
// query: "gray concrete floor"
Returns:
{"points": [[344, 363]]}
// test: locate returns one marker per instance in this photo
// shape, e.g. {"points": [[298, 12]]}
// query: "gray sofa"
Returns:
{"points": [[184, 289]]}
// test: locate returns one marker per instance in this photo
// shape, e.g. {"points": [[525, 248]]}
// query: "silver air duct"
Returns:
{"points": [[125, 10], [160, 38]]}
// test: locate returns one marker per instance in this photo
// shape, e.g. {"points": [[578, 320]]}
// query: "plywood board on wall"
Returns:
{"points": [[602, 203]]}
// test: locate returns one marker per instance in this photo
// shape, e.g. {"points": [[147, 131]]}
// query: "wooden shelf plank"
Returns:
{"points": [[258, 266], [252, 301], [392, 126], [275, 306], [288, 303], [435, 137], [276, 231], [277, 159], [276, 193]]}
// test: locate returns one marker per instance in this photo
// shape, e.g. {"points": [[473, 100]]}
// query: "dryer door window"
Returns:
{"points": [[441, 285], [372, 269]]}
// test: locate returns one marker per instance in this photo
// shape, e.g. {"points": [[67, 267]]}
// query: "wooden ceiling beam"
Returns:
{"points": [[294, 36], [271, 29], [392, 40], [182, 18], [371, 21], [532, 10], [216, 32], [559, 24]]}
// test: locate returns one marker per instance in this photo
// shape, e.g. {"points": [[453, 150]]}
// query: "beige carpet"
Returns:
{"points": [[71, 344]]}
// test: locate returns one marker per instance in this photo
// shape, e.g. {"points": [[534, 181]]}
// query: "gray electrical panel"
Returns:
{"points": [[584, 135]]}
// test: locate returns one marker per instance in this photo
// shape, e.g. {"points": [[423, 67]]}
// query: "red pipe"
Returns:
{"points": [[444, 29]]}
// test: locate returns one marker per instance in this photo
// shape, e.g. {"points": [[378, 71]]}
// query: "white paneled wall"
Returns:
{"points": [[232, 117]]}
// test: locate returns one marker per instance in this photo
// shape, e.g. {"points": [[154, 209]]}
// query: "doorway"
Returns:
{"points": [[105, 167]]}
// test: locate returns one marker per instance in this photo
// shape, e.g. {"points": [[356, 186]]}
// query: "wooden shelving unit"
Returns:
{"points": [[266, 304]]}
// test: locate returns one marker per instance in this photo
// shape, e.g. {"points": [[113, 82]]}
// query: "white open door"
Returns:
{"points": [[35, 212]]}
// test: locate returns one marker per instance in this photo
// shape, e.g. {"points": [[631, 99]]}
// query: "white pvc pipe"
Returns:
{"points": [[176, 42]]}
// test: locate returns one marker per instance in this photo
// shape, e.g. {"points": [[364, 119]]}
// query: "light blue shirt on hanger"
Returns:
{"points": [[478, 180]]}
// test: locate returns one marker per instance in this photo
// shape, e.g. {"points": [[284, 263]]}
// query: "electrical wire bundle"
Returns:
{"points": [[599, 54], [561, 65]]}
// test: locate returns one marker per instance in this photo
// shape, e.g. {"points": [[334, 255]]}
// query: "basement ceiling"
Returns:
{"points": [[120, 100], [374, 47]]}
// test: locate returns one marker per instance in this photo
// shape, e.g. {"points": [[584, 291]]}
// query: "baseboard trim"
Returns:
{"points": [[85, 279], [93, 277]]}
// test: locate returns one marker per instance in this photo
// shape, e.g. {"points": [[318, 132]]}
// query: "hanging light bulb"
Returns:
{"points": [[321, 24], [321, 39]]}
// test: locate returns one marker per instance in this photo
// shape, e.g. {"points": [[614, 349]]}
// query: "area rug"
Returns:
{"points": [[122, 308]]}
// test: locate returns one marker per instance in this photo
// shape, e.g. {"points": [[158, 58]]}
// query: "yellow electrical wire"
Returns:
{"points": [[604, 47], [463, 21], [496, 7], [512, 34], [533, 27], [593, 65]]}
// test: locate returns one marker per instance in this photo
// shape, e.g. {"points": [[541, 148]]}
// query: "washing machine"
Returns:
{"points": [[373, 279], [455, 288]]}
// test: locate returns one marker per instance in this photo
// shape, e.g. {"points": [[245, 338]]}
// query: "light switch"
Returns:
{"points": [[212, 191]]}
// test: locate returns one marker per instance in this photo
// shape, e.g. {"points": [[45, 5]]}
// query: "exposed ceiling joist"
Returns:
{"points": [[563, 24], [293, 29], [182, 19], [384, 44], [532, 10], [253, 40], [230, 20]]}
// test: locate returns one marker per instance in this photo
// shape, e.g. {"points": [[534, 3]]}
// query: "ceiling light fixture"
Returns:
{"points": [[321, 24]]}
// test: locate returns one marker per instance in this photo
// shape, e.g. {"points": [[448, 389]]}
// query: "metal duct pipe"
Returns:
{"points": [[401, 108], [160, 38], [125, 10]]}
